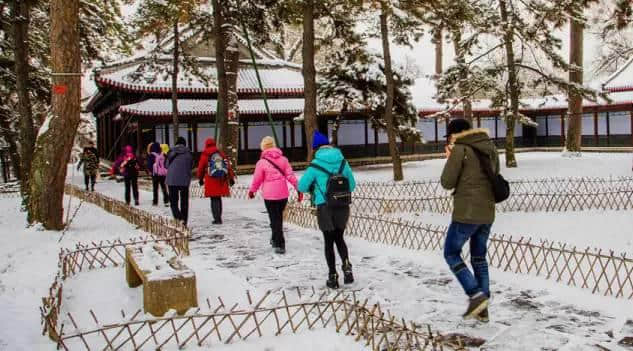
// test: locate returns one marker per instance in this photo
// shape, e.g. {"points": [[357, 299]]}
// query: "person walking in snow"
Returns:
{"points": [[322, 179], [272, 174], [216, 175], [469, 151], [157, 169], [179, 165], [127, 166], [90, 160]]}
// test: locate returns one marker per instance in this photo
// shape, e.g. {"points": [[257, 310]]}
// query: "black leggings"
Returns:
{"points": [[132, 183], [216, 208], [275, 209], [90, 179], [331, 238], [156, 182]]}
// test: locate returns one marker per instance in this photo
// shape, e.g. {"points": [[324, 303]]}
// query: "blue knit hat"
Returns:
{"points": [[319, 140]]}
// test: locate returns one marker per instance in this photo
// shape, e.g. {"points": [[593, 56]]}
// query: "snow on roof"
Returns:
{"points": [[622, 79], [278, 77], [552, 102], [194, 107]]}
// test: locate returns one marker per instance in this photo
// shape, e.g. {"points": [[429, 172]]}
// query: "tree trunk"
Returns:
{"points": [[460, 58], [391, 133], [174, 84], [574, 131], [20, 12], [55, 140], [513, 86], [220, 48], [439, 52], [309, 75], [337, 123], [8, 134], [233, 56]]}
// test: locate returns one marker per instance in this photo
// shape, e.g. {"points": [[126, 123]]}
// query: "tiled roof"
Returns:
{"points": [[278, 77], [622, 79], [554, 102], [193, 107]]}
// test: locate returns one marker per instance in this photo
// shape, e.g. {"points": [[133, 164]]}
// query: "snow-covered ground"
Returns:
{"points": [[527, 313], [28, 264], [419, 286], [531, 165]]}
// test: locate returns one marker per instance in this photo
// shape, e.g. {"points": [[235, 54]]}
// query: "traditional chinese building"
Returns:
{"points": [[603, 123], [133, 106]]}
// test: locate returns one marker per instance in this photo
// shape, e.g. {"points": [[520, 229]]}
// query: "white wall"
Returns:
{"points": [[351, 133], [205, 130]]}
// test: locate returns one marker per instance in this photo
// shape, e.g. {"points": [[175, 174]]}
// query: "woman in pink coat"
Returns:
{"points": [[272, 174]]}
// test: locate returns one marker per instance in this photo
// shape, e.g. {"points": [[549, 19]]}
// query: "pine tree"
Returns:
{"points": [[524, 58], [55, 138], [20, 15], [166, 19], [28, 25], [231, 18], [337, 19], [354, 78]]}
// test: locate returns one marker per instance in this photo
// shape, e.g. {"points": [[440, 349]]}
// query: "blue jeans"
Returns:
{"points": [[456, 237]]}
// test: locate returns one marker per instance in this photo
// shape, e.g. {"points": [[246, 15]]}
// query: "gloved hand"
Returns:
{"points": [[78, 167], [231, 182], [251, 195], [300, 198], [201, 181]]}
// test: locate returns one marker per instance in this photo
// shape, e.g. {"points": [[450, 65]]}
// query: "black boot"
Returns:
{"points": [[348, 277], [332, 281], [476, 305], [483, 316], [280, 250]]}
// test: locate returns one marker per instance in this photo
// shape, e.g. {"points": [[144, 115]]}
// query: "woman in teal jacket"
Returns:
{"points": [[332, 221]]}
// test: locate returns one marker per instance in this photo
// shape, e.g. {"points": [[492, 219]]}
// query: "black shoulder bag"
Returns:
{"points": [[500, 186]]}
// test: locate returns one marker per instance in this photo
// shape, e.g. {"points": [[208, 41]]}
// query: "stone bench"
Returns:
{"points": [[167, 282]]}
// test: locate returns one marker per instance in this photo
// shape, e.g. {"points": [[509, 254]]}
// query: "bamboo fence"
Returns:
{"points": [[599, 271], [534, 195], [292, 313], [289, 313], [156, 225]]}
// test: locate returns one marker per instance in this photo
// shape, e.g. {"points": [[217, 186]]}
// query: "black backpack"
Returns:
{"points": [[338, 192], [500, 186]]}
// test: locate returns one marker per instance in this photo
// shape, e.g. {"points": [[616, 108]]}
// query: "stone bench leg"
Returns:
{"points": [[160, 296], [132, 277]]}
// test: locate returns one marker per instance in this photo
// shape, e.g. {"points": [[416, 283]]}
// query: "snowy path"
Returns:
{"points": [[414, 285]]}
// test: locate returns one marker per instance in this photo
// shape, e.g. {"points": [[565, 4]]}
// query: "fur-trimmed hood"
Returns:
{"points": [[470, 132], [477, 139]]}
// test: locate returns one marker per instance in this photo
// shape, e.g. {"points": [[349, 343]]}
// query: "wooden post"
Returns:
{"points": [[166, 129], [437, 137], [496, 127], [194, 147], [284, 134], [292, 134], [562, 127], [246, 143], [547, 130], [608, 129], [139, 137], [631, 115], [478, 121], [245, 149], [596, 139], [376, 141], [367, 133]]}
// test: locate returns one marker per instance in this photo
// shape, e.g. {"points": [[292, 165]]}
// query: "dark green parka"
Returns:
{"points": [[473, 200]]}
